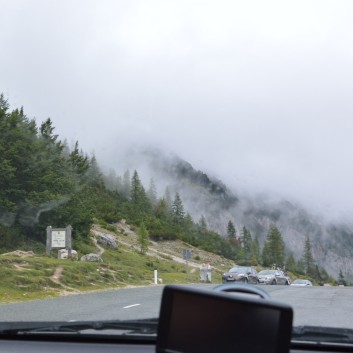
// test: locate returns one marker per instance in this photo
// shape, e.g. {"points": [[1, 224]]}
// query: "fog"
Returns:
{"points": [[256, 93]]}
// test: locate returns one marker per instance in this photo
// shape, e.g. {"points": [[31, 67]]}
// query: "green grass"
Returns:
{"points": [[30, 278]]}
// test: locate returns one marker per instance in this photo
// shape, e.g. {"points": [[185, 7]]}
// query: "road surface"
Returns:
{"points": [[319, 306]]}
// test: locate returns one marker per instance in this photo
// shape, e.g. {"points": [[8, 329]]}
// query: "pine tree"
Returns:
{"points": [[79, 162], [162, 211], [308, 259], [273, 252], [138, 197], [231, 231], [126, 187], [152, 193], [168, 198], [143, 238], [246, 241], [255, 252], [291, 264], [341, 280], [178, 209]]}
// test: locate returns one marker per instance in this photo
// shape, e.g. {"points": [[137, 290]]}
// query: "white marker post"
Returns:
{"points": [[155, 277]]}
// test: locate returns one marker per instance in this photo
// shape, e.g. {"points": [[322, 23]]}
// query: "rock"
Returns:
{"points": [[20, 253], [64, 253], [107, 240], [91, 258]]}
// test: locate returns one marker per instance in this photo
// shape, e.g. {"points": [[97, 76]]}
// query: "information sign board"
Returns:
{"points": [[58, 238]]}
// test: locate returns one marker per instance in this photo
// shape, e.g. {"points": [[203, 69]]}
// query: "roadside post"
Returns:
{"points": [[155, 276], [187, 255]]}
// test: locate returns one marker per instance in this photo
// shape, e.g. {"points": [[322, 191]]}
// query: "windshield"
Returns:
{"points": [[268, 272], [239, 270], [300, 281], [144, 143]]}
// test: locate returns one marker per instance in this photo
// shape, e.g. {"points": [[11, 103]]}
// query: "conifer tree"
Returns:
{"points": [[291, 264], [178, 209], [246, 241], [273, 252], [152, 193], [255, 252], [341, 280], [308, 259], [143, 238], [139, 200], [168, 198], [126, 185], [231, 231]]}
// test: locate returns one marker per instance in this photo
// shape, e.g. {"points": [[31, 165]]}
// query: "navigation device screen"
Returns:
{"points": [[197, 323]]}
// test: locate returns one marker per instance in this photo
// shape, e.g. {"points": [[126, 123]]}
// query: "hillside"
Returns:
{"points": [[27, 275], [332, 244]]}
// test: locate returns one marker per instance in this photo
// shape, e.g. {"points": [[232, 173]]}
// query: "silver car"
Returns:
{"points": [[301, 283], [273, 277]]}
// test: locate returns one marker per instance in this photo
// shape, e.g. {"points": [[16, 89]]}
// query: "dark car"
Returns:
{"points": [[240, 274]]}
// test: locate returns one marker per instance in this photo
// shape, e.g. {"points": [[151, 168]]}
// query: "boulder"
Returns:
{"points": [[91, 258], [64, 253], [107, 240]]}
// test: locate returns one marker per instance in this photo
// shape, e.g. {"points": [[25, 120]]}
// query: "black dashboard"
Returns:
{"points": [[57, 345]]}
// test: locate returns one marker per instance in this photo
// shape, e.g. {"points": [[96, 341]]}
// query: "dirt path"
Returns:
{"points": [[56, 279], [100, 249]]}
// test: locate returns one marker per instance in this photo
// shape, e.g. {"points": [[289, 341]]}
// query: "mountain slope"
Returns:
{"points": [[202, 195]]}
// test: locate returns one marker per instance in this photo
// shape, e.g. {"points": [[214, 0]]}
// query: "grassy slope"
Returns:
{"points": [[38, 276]]}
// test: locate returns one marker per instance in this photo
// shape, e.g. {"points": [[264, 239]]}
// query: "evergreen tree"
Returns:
{"points": [[152, 193], [341, 280], [178, 209], [273, 252], [168, 198], [232, 239], [308, 259], [79, 162], [143, 238], [246, 241], [231, 231], [255, 252], [139, 200], [291, 264], [203, 224], [188, 228], [317, 275], [162, 210], [301, 267], [126, 187]]}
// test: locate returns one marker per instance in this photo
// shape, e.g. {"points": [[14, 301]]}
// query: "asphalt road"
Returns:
{"points": [[319, 306]]}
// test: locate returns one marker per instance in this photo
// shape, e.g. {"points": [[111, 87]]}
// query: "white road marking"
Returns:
{"points": [[130, 306]]}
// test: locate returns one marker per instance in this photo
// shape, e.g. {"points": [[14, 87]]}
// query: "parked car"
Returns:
{"points": [[273, 277], [241, 274], [301, 283]]}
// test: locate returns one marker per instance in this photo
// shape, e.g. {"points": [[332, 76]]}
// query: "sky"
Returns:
{"points": [[256, 93]]}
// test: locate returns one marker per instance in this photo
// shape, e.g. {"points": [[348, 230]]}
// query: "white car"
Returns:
{"points": [[301, 283]]}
